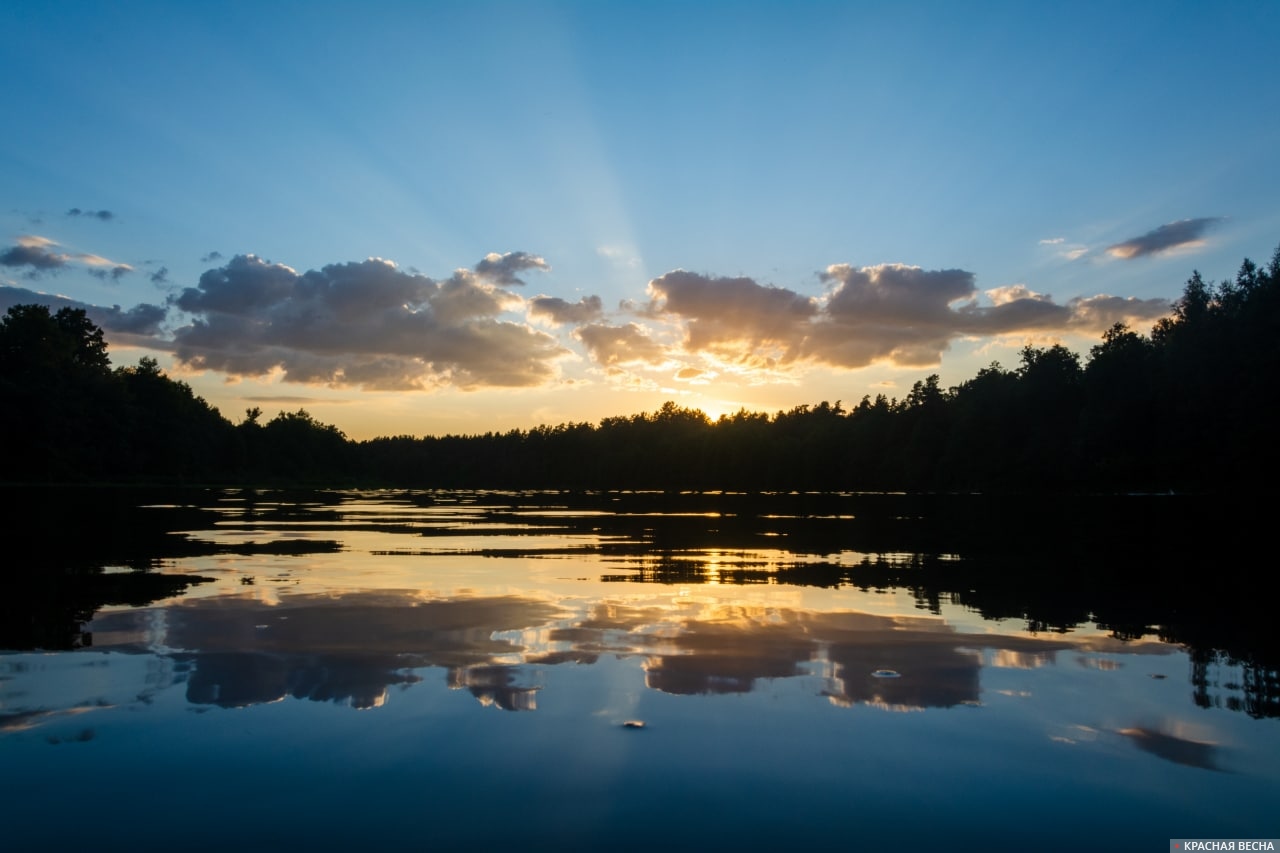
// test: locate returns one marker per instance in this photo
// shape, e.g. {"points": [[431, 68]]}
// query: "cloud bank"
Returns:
{"points": [[372, 325], [891, 313], [141, 321], [367, 324]]}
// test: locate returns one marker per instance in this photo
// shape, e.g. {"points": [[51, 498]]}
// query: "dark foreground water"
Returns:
{"points": [[222, 670]]}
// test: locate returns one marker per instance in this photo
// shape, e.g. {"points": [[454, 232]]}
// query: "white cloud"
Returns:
{"points": [[619, 256]]}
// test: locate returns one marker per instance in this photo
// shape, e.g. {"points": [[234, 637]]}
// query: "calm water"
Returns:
{"points": [[619, 671]]}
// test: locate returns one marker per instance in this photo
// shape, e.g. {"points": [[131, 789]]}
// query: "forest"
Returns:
{"points": [[1186, 407]]}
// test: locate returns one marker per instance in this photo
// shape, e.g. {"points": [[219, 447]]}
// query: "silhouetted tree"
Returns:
{"points": [[296, 447], [55, 383], [173, 433]]}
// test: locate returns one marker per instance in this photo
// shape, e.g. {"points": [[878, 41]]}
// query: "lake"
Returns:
{"points": [[439, 670]]}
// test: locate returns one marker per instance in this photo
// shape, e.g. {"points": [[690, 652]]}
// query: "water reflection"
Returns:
{"points": [[1170, 747], [234, 651], [843, 660], [349, 649], [924, 544]]}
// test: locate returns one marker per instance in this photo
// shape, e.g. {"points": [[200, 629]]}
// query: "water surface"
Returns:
{"points": [[581, 671]]}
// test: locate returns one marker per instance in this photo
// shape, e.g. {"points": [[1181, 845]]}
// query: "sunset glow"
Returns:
{"points": [[614, 207]]}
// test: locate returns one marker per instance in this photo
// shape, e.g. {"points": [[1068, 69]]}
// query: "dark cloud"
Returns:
{"points": [[211, 257], [617, 345], [104, 215], [34, 255], [160, 277], [366, 324], [1184, 232], [893, 313], [114, 274], [141, 320], [895, 294], [560, 313], [39, 255], [909, 316], [502, 269]]}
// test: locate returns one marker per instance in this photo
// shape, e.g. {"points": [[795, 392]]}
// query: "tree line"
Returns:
{"points": [[1189, 406]]}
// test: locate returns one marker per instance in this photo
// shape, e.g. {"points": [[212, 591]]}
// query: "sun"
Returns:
{"points": [[714, 407]]}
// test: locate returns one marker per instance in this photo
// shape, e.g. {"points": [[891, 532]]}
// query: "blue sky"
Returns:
{"points": [[723, 204]]}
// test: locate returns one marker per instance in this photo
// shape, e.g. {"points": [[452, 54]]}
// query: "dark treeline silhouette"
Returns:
{"points": [[1187, 407], [67, 416]]}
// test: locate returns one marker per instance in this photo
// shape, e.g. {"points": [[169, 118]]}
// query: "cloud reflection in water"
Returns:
{"points": [[352, 648]]}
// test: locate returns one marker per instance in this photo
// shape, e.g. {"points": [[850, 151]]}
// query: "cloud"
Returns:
{"points": [[142, 320], [621, 257], [289, 399], [891, 313], [367, 324], [104, 215], [102, 268], [559, 312], [502, 269], [98, 261], [1098, 313], [211, 257], [38, 253], [613, 346], [34, 255], [115, 273], [1184, 233], [160, 277], [894, 313], [908, 316], [733, 315], [1062, 249]]}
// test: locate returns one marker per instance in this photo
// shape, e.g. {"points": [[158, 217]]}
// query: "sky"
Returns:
{"points": [[417, 218]]}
